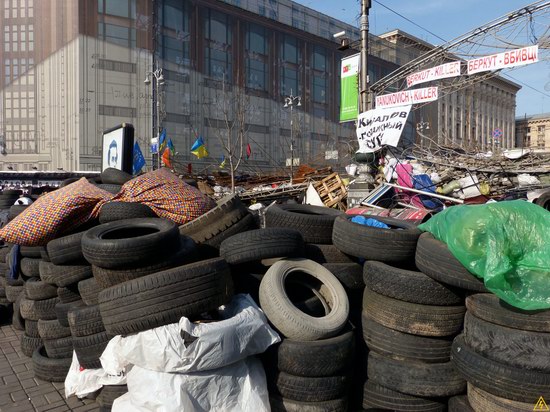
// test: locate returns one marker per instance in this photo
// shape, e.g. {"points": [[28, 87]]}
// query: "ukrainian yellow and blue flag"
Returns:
{"points": [[198, 148]]}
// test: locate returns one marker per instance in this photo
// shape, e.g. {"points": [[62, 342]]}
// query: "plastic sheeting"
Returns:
{"points": [[505, 243], [215, 372], [81, 382]]}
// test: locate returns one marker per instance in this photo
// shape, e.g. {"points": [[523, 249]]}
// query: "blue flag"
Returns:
{"points": [[162, 140], [198, 148], [139, 160]]}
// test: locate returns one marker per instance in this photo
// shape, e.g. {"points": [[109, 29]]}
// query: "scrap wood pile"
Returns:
{"points": [[328, 184], [354, 314], [500, 172], [430, 179]]}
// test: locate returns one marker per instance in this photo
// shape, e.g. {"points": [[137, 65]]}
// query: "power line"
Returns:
{"points": [[525, 84], [441, 38], [410, 21]]}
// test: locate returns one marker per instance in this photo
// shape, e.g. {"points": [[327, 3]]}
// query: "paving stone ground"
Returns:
{"points": [[20, 391]]}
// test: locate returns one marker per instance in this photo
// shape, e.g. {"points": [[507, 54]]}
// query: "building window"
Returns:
{"points": [[23, 38], [320, 69], [31, 37], [7, 71], [291, 59], [15, 68], [123, 36], [257, 41], [176, 38], [217, 54], [6, 39], [174, 15], [541, 129], [120, 8]]}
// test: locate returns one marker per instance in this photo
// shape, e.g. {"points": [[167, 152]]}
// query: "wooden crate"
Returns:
{"points": [[332, 191]]}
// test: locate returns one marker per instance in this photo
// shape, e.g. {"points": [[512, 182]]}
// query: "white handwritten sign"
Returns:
{"points": [[381, 126], [427, 94], [442, 71], [512, 58]]}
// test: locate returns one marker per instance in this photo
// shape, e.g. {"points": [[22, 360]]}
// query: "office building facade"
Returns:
{"points": [[74, 68], [84, 62]]}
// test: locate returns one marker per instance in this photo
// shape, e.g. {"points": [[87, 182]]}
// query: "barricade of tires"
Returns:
{"points": [[350, 302], [503, 354], [409, 318]]}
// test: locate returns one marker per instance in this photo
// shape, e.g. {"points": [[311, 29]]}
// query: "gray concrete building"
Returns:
{"points": [[533, 132], [73, 68]]}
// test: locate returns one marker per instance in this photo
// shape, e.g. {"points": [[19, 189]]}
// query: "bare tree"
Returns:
{"points": [[232, 104]]}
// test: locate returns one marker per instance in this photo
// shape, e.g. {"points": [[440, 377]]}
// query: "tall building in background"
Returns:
{"points": [[73, 68], [476, 117], [533, 132], [18, 91]]}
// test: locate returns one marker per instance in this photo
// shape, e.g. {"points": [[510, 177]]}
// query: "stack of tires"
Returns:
{"points": [[228, 218], [37, 300], [8, 197], [316, 224], [58, 280], [310, 368], [503, 354], [252, 252], [408, 319], [144, 277], [8, 293], [112, 179], [544, 200]]}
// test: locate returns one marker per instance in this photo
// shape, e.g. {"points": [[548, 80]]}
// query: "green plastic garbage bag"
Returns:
{"points": [[507, 244]]}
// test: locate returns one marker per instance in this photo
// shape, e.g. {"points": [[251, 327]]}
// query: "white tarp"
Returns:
{"points": [[81, 382], [511, 58], [381, 126], [443, 71], [215, 372]]}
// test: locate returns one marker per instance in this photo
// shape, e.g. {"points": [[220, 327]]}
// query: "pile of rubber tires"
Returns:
{"points": [[8, 197], [503, 354], [284, 268], [370, 318]]}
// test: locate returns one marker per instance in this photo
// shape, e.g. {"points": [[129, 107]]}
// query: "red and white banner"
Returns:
{"points": [[512, 58], [443, 71], [427, 94]]}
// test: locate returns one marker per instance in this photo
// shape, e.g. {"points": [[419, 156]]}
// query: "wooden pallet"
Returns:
{"points": [[332, 191]]}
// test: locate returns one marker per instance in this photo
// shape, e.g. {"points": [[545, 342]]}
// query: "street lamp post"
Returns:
{"points": [[420, 128], [364, 84], [157, 95], [290, 102]]}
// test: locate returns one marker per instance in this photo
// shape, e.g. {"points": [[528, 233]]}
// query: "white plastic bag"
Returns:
{"points": [[214, 373], [81, 382], [239, 387], [525, 179]]}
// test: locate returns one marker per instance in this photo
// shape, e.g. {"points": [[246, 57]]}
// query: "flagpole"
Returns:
{"points": [[157, 94]]}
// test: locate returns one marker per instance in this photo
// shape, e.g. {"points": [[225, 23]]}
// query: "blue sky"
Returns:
{"points": [[448, 19]]}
